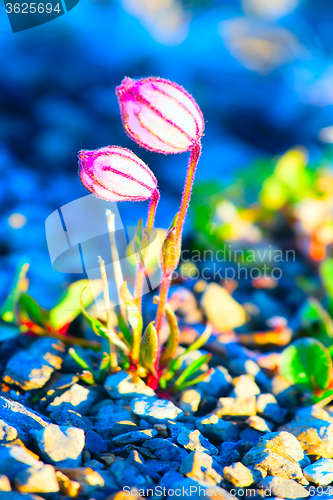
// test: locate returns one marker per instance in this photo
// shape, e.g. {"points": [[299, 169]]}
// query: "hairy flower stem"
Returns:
{"points": [[186, 196], [141, 268], [190, 174], [118, 275], [113, 356]]}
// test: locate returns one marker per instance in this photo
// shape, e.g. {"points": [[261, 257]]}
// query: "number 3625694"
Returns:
{"points": [[32, 8]]}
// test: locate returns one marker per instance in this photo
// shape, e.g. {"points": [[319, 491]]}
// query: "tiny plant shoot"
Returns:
{"points": [[162, 117]]}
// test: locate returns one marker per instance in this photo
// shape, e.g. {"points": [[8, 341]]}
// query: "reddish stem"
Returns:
{"points": [[186, 196]]}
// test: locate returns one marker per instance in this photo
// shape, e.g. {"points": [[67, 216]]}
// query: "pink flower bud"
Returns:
{"points": [[160, 115], [116, 174]]}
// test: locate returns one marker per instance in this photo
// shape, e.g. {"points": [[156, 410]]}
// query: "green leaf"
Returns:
{"points": [[124, 329], [201, 341], [313, 313], [138, 236], [30, 309], [134, 319], [194, 381], [99, 329], [8, 310], [173, 339], [80, 361], [191, 369], [308, 363], [68, 307], [149, 348], [326, 272], [105, 363]]}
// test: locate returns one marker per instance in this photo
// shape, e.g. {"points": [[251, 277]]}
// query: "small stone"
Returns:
{"points": [[77, 398], [190, 400], [31, 368], [251, 436], [143, 424], [95, 443], [230, 453], [314, 430], [14, 459], [39, 478], [88, 479], [259, 424], [222, 309], [7, 432], [109, 416], [107, 459], [127, 474], [238, 475], [67, 487], [94, 464], [160, 467], [22, 418], [164, 450], [320, 472], [123, 427], [198, 465], [157, 411], [135, 458], [72, 419], [244, 386], [4, 483], [170, 478], [121, 385], [240, 366], [61, 446], [268, 407], [236, 407], [195, 441], [136, 437], [279, 453], [162, 429], [216, 429], [281, 487], [124, 451], [217, 384]]}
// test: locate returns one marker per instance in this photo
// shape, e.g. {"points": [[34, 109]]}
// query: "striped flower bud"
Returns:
{"points": [[160, 115], [116, 174]]}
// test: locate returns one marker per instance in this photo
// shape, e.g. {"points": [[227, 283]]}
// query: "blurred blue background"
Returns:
{"points": [[261, 71]]}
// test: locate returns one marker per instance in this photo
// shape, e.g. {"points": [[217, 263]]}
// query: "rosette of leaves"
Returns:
{"points": [[139, 352]]}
